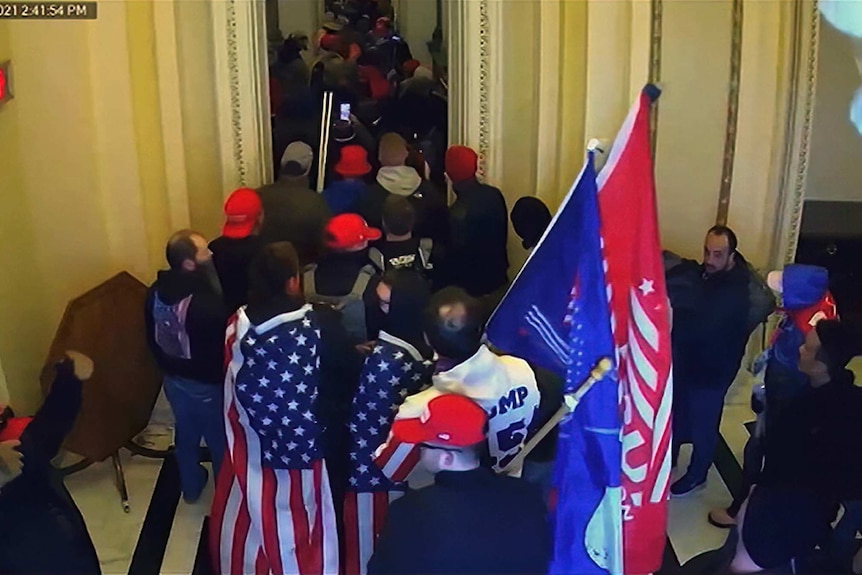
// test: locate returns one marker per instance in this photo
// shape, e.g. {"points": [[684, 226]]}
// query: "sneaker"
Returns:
{"points": [[721, 518], [686, 486]]}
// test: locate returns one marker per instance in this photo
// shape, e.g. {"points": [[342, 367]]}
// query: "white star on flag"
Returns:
{"points": [[646, 287]]}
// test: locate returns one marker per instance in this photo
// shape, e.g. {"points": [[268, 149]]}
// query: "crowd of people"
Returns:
{"points": [[323, 387], [336, 329], [800, 465], [328, 345]]}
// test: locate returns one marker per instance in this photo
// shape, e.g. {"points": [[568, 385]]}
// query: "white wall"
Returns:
{"points": [[416, 22]]}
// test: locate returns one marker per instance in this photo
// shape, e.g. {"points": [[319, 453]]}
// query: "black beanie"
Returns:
{"points": [[530, 218]]}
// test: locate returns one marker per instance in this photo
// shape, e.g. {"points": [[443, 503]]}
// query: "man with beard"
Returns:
{"points": [[186, 319], [710, 330]]}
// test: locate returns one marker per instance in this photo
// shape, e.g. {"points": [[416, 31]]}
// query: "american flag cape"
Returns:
{"points": [[640, 320], [272, 508], [504, 386], [392, 371]]}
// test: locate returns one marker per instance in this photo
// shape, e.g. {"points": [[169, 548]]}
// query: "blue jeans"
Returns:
{"points": [[696, 420], [199, 413]]}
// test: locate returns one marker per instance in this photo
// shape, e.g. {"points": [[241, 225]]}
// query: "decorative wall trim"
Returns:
{"points": [[801, 94], [732, 113], [470, 29], [484, 73], [239, 37], [233, 84], [656, 9]]}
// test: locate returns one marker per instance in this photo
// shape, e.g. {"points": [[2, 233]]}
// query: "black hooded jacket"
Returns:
{"points": [[41, 528], [710, 322], [205, 324], [478, 260], [410, 296]]}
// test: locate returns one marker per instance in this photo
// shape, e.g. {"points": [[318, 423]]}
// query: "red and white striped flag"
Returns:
{"points": [[640, 319], [364, 516], [272, 508]]}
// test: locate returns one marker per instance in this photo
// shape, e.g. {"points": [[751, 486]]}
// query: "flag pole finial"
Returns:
{"points": [[652, 91]]}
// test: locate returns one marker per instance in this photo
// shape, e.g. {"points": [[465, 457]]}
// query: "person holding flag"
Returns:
{"points": [[593, 288], [506, 387]]}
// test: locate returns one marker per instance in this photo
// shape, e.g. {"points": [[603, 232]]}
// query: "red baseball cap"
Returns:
{"points": [[448, 420], [348, 230], [241, 210]]}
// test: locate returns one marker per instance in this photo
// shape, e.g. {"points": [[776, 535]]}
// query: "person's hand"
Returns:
{"points": [[366, 348], [11, 461], [83, 365]]}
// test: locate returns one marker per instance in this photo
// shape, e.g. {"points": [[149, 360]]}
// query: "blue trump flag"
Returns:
{"points": [[588, 515], [532, 320], [556, 315]]}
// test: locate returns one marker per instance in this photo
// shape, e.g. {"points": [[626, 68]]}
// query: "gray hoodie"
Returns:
{"points": [[399, 180]]}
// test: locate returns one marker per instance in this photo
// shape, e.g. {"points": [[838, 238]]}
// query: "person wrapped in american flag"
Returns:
{"points": [[400, 363], [273, 507]]}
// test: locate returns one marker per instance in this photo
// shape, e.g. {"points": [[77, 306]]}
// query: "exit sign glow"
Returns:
{"points": [[5, 82]]}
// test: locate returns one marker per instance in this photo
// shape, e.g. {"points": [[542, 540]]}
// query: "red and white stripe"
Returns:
{"points": [[397, 459], [267, 521], [641, 328], [364, 516]]}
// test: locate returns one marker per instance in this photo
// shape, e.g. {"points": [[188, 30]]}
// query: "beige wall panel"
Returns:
{"points": [[200, 123], [59, 240], [573, 99], [22, 289], [516, 138], [295, 15], [753, 208], [692, 119]]}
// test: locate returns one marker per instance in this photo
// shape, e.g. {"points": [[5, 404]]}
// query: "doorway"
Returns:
{"points": [[385, 68]]}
